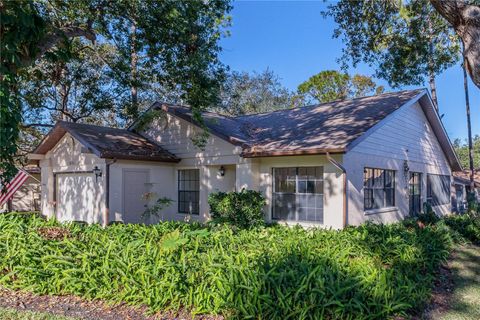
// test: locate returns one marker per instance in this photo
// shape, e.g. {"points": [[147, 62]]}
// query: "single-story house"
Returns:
{"points": [[342, 163]]}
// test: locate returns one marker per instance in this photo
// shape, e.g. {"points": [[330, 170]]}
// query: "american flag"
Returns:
{"points": [[12, 187]]}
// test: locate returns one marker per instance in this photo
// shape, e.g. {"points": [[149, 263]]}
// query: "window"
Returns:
{"points": [[379, 188], [298, 194], [188, 191], [438, 189]]}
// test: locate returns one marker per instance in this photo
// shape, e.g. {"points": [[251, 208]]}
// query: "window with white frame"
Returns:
{"points": [[378, 188], [188, 191], [298, 194]]}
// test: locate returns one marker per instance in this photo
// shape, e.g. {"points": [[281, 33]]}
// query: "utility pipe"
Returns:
{"points": [[344, 174], [106, 214]]}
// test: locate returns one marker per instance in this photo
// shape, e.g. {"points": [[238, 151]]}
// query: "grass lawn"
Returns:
{"points": [[465, 303], [10, 314]]}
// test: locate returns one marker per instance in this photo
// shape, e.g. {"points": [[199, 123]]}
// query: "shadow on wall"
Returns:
{"points": [[78, 197]]}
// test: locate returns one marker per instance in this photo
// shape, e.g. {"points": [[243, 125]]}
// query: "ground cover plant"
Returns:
{"points": [[366, 272]]}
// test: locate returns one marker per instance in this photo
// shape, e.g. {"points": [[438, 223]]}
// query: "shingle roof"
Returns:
{"points": [[107, 142], [307, 130]]}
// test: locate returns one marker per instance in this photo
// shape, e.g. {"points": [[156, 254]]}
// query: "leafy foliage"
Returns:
{"points": [[243, 209], [404, 41], [331, 85], [169, 44], [245, 93], [461, 148], [366, 272]]}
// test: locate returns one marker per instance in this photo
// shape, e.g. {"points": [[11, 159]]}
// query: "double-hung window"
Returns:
{"points": [[188, 191], [438, 189], [378, 188], [298, 194]]}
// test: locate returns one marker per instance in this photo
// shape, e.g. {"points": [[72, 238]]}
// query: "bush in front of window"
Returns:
{"points": [[243, 209], [428, 216]]}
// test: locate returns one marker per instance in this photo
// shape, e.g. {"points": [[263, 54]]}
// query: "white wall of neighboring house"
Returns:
{"points": [[70, 190], [404, 135]]}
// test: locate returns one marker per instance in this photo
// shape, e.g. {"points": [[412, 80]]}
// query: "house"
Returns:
{"points": [[342, 163], [461, 188], [27, 194]]}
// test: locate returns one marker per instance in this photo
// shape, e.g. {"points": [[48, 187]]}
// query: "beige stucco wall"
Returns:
{"points": [[163, 182], [70, 156], [257, 174], [406, 135], [27, 197]]}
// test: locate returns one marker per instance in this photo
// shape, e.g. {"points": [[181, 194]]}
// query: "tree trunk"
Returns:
{"points": [[431, 72], [469, 126], [465, 19], [133, 112]]}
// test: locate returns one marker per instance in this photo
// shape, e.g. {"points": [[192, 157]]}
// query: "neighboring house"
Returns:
{"points": [[461, 188], [27, 196], [346, 162]]}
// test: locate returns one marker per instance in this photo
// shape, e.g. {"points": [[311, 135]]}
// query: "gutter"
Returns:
{"points": [[106, 214], [344, 174]]}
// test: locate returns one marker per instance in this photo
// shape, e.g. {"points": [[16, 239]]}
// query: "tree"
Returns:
{"points": [[178, 40], [331, 85], [406, 42], [462, 150], [246, 93], [77, 90], [463, 16]]}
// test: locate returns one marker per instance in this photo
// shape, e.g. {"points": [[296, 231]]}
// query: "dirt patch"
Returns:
{"points": [[54, 233], [442, 292], [75, 307]]}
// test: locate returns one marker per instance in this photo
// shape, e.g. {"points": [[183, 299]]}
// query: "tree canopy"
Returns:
{"points": [[406, 42], [461, 148], [170, 43], [333, 85], [246, 93]]}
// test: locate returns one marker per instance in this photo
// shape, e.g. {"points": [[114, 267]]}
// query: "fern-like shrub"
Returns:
{"points": [[367, 272]]}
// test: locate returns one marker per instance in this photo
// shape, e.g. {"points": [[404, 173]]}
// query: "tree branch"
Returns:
{"points": [[58, 34], [465, 19]]}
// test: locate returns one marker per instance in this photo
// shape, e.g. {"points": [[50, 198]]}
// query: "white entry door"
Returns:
{"points": [[135, 186], [76, 197]]}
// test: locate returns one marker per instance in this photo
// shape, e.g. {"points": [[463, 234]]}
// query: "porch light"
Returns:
{"points": [[406, 169], [222, 171], [97, 172]]}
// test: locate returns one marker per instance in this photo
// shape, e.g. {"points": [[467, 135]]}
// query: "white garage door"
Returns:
{"points": [[76, 197]]}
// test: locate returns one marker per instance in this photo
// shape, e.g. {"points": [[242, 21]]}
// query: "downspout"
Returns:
{"points": [[344, 174], [106, 214]]}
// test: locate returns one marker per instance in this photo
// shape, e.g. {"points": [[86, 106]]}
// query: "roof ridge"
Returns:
{"points": [[330, 102]]}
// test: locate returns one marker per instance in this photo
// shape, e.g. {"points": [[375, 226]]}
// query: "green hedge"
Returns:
{"points": [[367, 272], [243, 209]]}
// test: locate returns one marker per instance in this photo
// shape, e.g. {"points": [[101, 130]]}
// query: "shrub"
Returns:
{"points": [[367, 272], [467, 226], [243, 209], [428, 216]]}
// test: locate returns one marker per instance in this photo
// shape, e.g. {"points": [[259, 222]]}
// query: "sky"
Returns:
{"points": [[295, 41]]}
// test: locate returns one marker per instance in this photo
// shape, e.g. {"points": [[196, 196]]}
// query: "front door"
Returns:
{"points": [[135, 186], [415, 188]]}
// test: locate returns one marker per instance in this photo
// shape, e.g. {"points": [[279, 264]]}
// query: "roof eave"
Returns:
{"points": [[276, 153]]}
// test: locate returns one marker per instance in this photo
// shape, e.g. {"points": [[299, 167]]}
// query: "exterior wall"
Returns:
{"points": [[163, 182], [175, 135], [405, 135], [27, 198], [333, 185], [70, 156]]}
